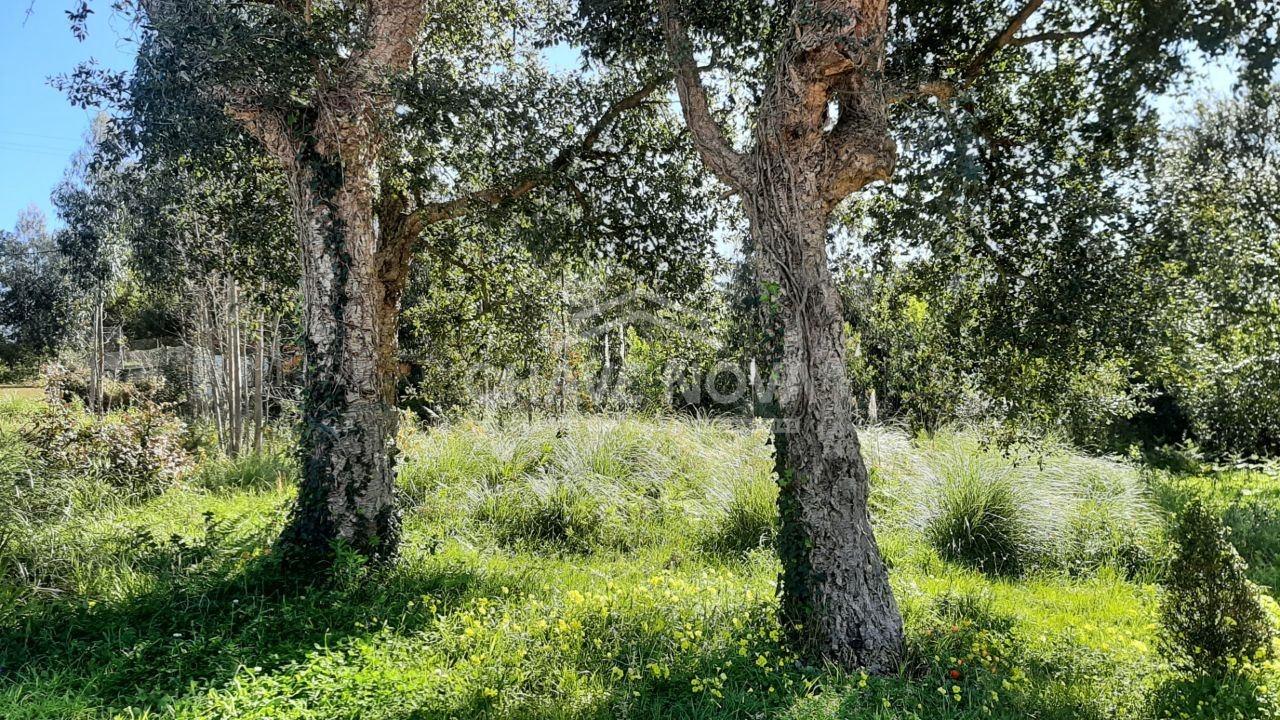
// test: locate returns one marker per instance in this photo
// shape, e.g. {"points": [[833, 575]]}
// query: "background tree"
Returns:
{"points": [[212, 234], [35, 298], [358, 103], [91, 201], [1213, 263]]}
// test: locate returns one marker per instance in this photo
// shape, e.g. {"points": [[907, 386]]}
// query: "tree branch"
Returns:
{"points": [[435, 212], [979, 61], [393, 29], [709, 139], [944, 90], [1056, 36]]}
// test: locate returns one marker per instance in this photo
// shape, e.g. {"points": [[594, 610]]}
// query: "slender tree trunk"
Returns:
{"points": [[231, 356], [209, 346], [259, 401], [97, 354], [564, 349], [836, 598], [276, 363]]}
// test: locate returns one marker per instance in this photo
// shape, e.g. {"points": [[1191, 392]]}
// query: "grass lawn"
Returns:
{"points": [[594, 569]]}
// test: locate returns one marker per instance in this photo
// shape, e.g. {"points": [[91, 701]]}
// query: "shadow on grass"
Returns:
{"points": [[968, 651], [215, 605]]}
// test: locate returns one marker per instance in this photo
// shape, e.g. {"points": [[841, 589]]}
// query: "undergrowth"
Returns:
{"points": [[590, 568]]}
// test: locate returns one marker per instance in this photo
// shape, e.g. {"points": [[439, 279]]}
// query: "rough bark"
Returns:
{"points": [[835, 596], [356, 240], [836, 601], [355, 246], [347, 494]]}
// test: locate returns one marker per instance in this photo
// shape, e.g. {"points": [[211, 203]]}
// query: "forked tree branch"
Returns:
{"points": [[945, 89], [708, 137], [979, 61]]}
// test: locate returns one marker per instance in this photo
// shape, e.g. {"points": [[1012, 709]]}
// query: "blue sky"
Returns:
{"points": [[39, 129]]}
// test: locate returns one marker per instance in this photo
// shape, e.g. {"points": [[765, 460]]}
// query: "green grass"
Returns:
{"points": [[21, 393], [590, 568], [1250, 504]]}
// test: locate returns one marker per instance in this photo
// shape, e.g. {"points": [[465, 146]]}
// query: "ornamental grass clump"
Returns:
{"points": [[749, 519], [979, 523], [1005, 512], [554, 514]]}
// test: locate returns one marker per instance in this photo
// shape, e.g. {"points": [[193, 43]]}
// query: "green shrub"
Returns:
{"points": [[64, 385], [1211, 697], [1094, 540], [67, 385], [980, 522], [559, 515], [1234, 403], [1212, 613], [138, 452], [1249, 503], [645, 478], [749, 519]]}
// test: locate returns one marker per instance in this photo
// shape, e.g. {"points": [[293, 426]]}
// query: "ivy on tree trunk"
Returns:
{"points": [[821, 134]]}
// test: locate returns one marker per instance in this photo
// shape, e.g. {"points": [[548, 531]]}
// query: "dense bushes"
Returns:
{"points": [[1212, 612], [1235, 404], [27, 496], [69, 385], [60, 464], [137, 452]]}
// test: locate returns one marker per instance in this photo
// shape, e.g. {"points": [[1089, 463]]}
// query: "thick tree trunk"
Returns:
{"points": [[347, 494], [354, 243], [836, 598]]}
